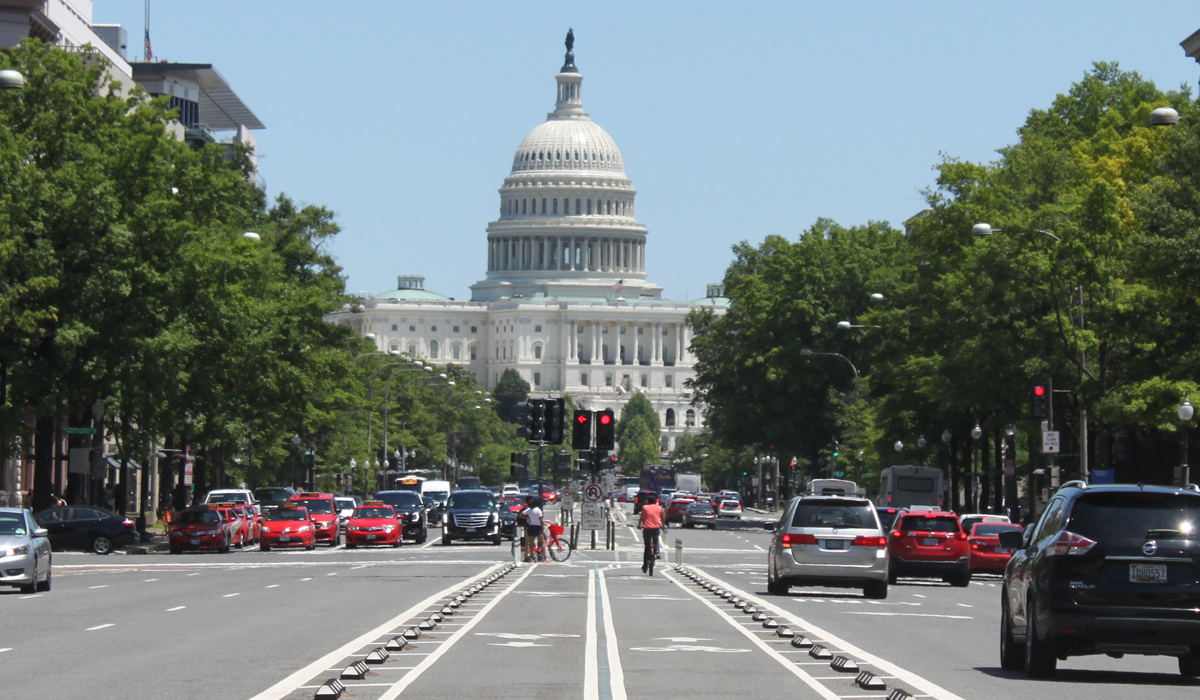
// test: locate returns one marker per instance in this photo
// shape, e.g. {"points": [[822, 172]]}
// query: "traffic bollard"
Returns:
{"points": [[678, 552]]}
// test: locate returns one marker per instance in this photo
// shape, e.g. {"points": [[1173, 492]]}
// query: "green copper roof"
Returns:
{"points": [[712, 301], [412, 295]]}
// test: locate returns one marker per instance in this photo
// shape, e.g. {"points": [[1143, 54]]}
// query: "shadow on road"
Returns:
{"points": [[1073, 675]]}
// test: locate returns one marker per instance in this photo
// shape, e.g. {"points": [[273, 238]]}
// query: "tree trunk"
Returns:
{"points": [[43, 462]]}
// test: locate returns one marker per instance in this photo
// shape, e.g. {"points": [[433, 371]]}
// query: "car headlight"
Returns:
{"points": [[416, 517], [23, 549], [302, 528], [389, 528], [265, 528]]}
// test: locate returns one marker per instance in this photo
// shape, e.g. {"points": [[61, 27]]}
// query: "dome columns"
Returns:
{"points": [[566, 253]]}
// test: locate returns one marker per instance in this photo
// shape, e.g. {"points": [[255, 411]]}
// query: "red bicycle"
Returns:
{"points": [[557, 546]]}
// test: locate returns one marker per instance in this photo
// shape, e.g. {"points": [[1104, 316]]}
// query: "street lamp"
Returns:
{"points": [[809, 353], [295, 459], [13, 80], [251, 236], [976, 433], [981, 230], [1160, 116], [846, 325], [921, 445], [97, 445], [899, 446], [1186, 412], [950, 495]]}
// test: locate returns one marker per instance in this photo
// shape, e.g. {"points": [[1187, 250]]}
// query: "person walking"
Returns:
{"points": [[533, 527], [650, 521]]}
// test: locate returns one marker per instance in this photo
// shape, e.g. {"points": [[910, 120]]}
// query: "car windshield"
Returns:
{"points": [[316, 506], [700, 507], [922, 523], [985, 530], [288, 514], [12, 524], [887, 516], [471, 500], [227, 497], [834, 514], [273, 496], [198, 517], [374, 512], [1134, 515], [400, 499], [345, 503]]}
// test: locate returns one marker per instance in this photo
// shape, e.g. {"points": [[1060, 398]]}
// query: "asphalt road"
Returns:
{"points": [[278, 624]]}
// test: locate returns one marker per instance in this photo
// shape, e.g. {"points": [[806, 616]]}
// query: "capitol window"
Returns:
{"points": [[669, 380], [608, 379], [537, 378], [583, 378], [689, 419], [670, 420], [556, 206], [640, 330], [664, 331], [604, 330], [433, 328], [537, 352], [622, 330], [474, 329], [645, 380], [473, 353], [578, 329], [395, 347], [412, 350], [395, 327], [577, 206], [456, 329], [455, 351], [412, 329], [433, 349]]}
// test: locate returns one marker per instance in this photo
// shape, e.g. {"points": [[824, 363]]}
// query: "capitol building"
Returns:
{"points": [[565, 301]]}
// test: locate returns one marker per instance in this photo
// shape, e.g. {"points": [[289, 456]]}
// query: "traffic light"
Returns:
{"points": [[1039, 401], [834, 452], [581, 431], [519, 466], [556, 424], [537, 423], [606, 426], [525, 420]]}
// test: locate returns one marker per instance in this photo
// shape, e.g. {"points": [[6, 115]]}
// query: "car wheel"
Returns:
{"points": [[264, 547], [44, 586], [712, 526], [102, 545], [224, 549], [28, 588], [423, 536], [1040, 661], [1012, 654], [446, 539], [891, 578], [496, 540], [397, 542], [875, 590], [1189, 664], [960, 580], [351, 546], [311, 547], [176, 550]]}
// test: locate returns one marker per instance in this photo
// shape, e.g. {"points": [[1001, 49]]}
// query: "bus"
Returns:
{"points": [[410, 482], [903, 486], [835, 487]]}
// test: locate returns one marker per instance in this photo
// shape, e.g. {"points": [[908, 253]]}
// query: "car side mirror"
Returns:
{"points": [[770, 527], [41, 532], [1012, 539]]}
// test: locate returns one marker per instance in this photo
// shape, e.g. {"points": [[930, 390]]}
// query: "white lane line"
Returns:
{"points": [[99, 627], [5, 649], [273, 585], [27, 597], [359, 567], [230, 595], [333, 574], [149, 580], [964, 605], [286, 686], [179, 607], [757, 641], [196, 574], [92, 588], [306, 579], [403, 683], [918, 595], [926, 686], [591, 674], [897, 614], [616, 675], [758, 548]]}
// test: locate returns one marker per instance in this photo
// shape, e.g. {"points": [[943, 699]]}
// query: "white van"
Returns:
{"points": [[437, 490], [230, 496]]}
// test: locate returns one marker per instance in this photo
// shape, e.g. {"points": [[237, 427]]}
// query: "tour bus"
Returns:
{"points": [[410, 482], [903, 486], [835, 487]]}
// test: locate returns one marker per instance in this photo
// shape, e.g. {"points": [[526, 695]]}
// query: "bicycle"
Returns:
{"points": [[557, 547], [649, 554]]}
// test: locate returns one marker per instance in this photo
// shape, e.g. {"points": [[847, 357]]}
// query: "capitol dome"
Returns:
{"points": [[567, 226]]}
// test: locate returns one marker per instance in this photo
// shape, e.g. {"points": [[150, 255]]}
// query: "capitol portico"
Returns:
{"points": [[565, 301]]}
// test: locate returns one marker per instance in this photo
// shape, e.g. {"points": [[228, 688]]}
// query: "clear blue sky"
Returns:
{"points": [[735, 120]]}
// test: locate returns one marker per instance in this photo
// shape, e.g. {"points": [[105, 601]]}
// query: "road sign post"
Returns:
{"points": [[592, 508]]}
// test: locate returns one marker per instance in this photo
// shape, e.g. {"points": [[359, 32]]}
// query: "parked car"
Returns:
{"points": [[287, 526], [471, 515], [887, 516], [988, 556], [834, 541], [699, 514], [229, 496], [269, 497], [730, 508], [411, 509], [1107, 569], [346, 507], [86, 527], [929, 543], [25, 555]]}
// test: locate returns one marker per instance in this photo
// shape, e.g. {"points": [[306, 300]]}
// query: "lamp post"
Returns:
{"points": [[1186, 412], [353, 466], [976, 433], [948, 472], [921, 445], [1010, 472], [809, 353], [899, 447], [97, 449]]}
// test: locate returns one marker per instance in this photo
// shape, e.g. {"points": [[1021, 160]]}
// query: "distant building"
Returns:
{"points": [[565, 301]]}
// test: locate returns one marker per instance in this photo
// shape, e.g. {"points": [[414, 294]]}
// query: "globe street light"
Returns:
{"points": [[1186, 412], [809, 353], [899, 446], [1164, 116], [921, 444]]}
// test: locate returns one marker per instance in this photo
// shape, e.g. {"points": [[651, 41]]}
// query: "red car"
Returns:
{"points": [[239, 524], [675, 509], [323, 511], [374, 522], [549, 495], [287, 526], [987, 556], [929, 544], [202, 527], [253, 520]]}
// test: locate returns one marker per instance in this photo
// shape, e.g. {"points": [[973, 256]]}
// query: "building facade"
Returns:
{"points": [[565, 300]]}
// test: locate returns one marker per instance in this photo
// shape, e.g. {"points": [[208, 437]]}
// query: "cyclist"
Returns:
{"points": [[650, 521]]}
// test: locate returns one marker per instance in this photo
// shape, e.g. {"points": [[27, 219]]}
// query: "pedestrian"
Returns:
{"points": [[54, 501], [533, 527], [650, 521]]}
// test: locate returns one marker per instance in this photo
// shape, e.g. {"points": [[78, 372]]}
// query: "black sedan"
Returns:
{"points": [[86, 527], [412, 512]]}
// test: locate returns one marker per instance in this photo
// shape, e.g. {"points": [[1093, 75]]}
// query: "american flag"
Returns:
{"points": [[149, 49], [617, 287]]}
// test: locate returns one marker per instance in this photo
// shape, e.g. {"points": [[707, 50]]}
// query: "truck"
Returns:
{"points": [[685, 481], [657, 478], [835, 487], [905, 485]]}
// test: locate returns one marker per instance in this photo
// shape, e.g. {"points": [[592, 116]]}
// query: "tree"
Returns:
{"points": [[510, 390], [637, 432]]}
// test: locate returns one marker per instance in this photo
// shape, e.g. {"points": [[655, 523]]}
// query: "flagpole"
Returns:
{"points": [[147, 51]]}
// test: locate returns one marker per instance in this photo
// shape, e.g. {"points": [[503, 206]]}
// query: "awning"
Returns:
{"points": [[114, 461]]}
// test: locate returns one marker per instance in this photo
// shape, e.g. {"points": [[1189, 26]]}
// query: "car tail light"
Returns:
{"points": [[127, 523], [864, 541], [789, 540], [960, 535], [975, 545], [1069, 544]]}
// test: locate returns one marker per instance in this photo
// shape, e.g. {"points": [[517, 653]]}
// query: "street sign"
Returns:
{"points": [[839, 474], [566, 492], [189, 463], [592, 493], [591, 515], [77, 431], [1010, 467], [1050, 443]]}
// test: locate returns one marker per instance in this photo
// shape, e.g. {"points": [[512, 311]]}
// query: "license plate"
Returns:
{"points": [[195, 541], [370, 537], [930, 541], [1002, 550], [285, 538], [472, 529], [835, 544], [1147, 573]]}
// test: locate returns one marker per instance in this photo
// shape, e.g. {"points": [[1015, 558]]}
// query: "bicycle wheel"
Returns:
{"points": [[560, 549], [650, 564]]}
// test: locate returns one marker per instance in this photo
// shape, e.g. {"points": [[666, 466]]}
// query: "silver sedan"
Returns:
{"points": [[24, 551]]}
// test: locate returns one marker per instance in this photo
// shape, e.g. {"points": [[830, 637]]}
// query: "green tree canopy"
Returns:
{"points": [[510, 390]]}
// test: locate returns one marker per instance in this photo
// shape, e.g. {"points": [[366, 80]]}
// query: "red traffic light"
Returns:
{"points": [[1039, 390], [581, 418], [605, 419]]}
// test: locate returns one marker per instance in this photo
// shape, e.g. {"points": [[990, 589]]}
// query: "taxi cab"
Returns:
{"points": [[323, 511], [374, 522], [239, 524], [287, 526], [202, 527]]}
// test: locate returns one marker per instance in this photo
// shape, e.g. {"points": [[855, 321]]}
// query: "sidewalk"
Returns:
{"points": [[156, 542]]}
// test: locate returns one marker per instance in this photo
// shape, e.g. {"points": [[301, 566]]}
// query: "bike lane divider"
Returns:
{"points": [[807, 644], [298, 684], [667, 633]]}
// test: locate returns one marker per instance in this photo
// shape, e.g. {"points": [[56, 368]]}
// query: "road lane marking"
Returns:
{"points": [[306, 579], [591, 673], [918, 595], [195, 574], [149, 580], [612, 672], [898, 614], [402, 684], [333, 574], [5, 649], [888, 668], [286, 686], [757, 641], [230, 595], [180, 607], [273, 585], [92, 588], [99, 627]]}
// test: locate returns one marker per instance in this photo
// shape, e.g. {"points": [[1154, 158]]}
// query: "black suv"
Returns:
{"points": [[1108, 569], [410, 508], [471, 515]]}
